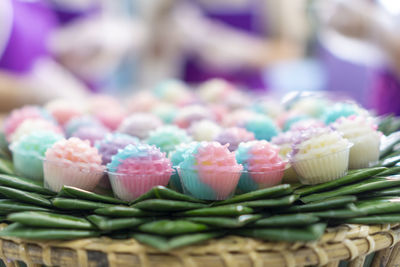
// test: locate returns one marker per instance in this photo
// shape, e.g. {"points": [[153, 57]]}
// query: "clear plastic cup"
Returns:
{"points": [[131, 186], [212, 185], [104, 182], [63, 172], [290, 176], [175, 181], [28, 164], [322, 169], [250, 181], [365, 152]]}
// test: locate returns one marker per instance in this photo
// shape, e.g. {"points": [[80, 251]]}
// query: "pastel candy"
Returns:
{"points": [[32, 125], [75, 123], [17, 116], [91, 133], [339, 110], [188, 115], [72, 162], [233, 137], [177, 156], [213, 165], [139, 125], [262, 164], [111, 143], [29, 151], [63, 110], [262, 127], [135, 169], [168, 137]]}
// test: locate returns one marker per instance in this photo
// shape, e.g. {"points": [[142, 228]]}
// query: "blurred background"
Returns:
{"points": [[71, 48]]}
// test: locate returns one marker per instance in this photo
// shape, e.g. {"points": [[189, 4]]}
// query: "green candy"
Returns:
{"points": [[162, 192], [276, 191], [167, 205], [73, 192], [271, 203], [23, 196], [77, 204], [364, 186], [349, 178], [329, 203], [6, 166], [24, 184], [223, 222], [50, 220], [287, 220], [121, 211], [8, 206], [172, 227], [21, 231], [109, 224], [375, 219], [228, 210], [308, 233]]}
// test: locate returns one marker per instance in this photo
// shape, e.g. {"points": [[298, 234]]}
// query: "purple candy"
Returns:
{"points": [[234, 136], [306, 135], [90, 133], [288, 137], [110, 145]]}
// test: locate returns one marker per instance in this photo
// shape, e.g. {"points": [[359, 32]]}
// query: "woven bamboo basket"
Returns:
{"points": [[346, 242]]}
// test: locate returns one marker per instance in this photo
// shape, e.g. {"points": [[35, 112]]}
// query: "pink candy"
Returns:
{"points": [[18, 116], [63, 110], [234, 136], [74, 150], [145, 166], [108, 110], [265, 157], [72, 162], [218, 168]]}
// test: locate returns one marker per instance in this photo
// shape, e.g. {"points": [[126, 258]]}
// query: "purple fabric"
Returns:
{"points": [[196, 72], [65, 16], [248, 20], [345, 78], [32, 25], [385, 97]]}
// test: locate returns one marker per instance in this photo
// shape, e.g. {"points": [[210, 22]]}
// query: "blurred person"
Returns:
{"points": [[58, 48], [370, 22], [226, 39]]}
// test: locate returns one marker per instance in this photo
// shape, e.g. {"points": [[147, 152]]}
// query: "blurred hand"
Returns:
{"points": [[351, 18], [225, 47], [93, 47], [47, 80]]}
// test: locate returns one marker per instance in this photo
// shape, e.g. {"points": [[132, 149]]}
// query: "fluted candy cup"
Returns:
{"points": [[212, 184], [28, 153], [108, 147], [233, 136], [18, 116], [136, 169], [72, 162], [365, 152], [284, 141], [28, 165], [251, 180], [132, 185], [210, 172], [321, 157], [64, 172], [263, 167], [176, 157], [362, 132]]}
